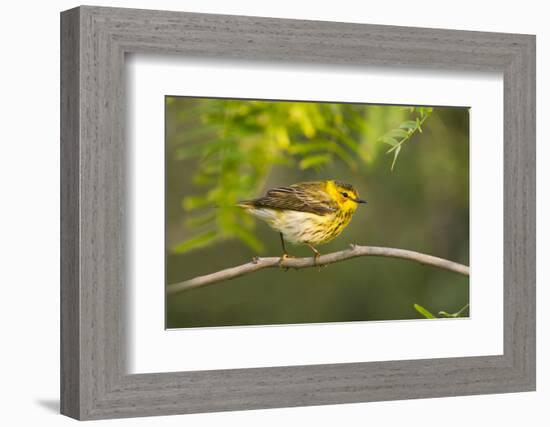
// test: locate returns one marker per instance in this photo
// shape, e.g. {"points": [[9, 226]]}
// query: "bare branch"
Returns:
{"points": [[297, 263]]}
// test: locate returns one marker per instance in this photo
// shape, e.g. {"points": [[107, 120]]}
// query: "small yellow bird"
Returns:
{"points": [[309, 213]]}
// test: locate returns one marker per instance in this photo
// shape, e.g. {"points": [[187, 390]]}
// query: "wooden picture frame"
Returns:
{"points": [[94, 382]]}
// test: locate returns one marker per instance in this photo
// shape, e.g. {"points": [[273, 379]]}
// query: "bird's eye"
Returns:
{"points": [[345, 194]]}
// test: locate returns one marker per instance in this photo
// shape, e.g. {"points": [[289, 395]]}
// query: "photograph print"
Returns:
{"points": [[290, 212]]}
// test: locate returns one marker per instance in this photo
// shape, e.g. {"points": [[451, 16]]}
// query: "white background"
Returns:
{"points": [[152, 349], [29, 177]]}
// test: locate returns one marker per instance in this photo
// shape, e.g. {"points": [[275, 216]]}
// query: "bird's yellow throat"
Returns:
{"points": [[337, 192]]}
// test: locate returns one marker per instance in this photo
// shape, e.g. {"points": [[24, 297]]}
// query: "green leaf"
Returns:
{"points": [[195, 242], [343, 138], [200, 220], [454, 315], [409, 124], [397, 133], [316, 161], [418, 125], [281, 136], [301, 117], [445, 314], [425, 111], [248, 238], [191, 203], [424, 312], [310, 147], [395, 154], [389, 140], [393, 148]]}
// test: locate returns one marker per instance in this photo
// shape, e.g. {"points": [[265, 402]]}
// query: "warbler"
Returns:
{"points": [[310, 213]]}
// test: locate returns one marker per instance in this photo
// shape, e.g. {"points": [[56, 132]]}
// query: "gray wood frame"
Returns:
{"points": [[94, 41]]}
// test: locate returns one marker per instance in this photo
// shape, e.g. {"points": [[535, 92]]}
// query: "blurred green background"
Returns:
{"points": [[219, 151]]}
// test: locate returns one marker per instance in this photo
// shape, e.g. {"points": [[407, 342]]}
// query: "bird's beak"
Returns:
{"points": [[359, 201]]}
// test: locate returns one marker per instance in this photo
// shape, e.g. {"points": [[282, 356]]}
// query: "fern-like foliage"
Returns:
{"points": [[442, 314], [236, 143], [398, 136]]}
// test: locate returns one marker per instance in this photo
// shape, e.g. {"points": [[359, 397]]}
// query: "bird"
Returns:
{"points": [[309, 213]]}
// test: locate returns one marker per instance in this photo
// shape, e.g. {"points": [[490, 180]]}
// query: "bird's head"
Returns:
{"points": [[345, 195]]}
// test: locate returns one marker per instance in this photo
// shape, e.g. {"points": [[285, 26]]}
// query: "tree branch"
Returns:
{"points": [[297, 263]]}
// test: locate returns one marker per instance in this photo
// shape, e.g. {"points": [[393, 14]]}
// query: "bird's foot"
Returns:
{"points": [[283, 258], [316, 256], [316, 261]]}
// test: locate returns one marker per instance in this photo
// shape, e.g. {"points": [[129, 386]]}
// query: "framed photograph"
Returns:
{"points": [[262, 213]]}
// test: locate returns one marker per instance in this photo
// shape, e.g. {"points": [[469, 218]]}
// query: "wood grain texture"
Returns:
{"points": [[94, 270], [70, 291]]}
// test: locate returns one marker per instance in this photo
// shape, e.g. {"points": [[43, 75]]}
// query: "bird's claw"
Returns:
{"points": [[283, 258], [316, 261]]}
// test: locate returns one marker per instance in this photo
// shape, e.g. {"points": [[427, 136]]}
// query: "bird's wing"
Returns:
{"points": [[306, 197]]}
